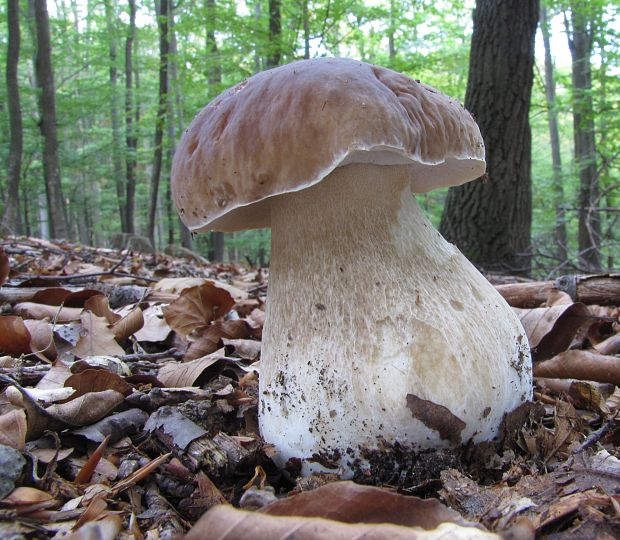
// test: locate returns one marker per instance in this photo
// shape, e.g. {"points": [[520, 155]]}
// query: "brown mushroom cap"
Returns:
{"points": [[285, 129]]}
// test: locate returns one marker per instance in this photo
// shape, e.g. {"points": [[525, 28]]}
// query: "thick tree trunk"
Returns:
{"points": [[12, 216], [131, 141], [490, 219], [57, 210], [162, 23], [554, 137], [119, 177], [275, 34], [580, 37]]}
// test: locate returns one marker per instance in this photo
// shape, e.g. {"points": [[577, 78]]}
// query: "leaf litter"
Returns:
{"points": [[129, 400]]}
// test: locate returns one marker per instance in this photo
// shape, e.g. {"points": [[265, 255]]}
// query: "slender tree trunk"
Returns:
{"points": [[162, 23], [12, 216], [257, 48], [490, 221], [554, 136], [131, 141], [214, 79], [119, 177], [306, 26], [57, 210], [275, 34], [391, 44], [580, 38]]}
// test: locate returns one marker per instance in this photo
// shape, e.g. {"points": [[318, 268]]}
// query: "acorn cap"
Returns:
{"points": [[286, 129]]}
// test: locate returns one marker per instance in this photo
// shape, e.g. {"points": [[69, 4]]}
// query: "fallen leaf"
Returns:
{"points": [[224, 522], [182, 374], [551, 330], [13, 429], [155, 326], [128, 325], [584, 365], [107, 528], [57, 314], [97, 380], [196, 307], [42, 339], [100, 306], [177, 426], [207, 339], [14, 336], [86, 409], [96, 338]]}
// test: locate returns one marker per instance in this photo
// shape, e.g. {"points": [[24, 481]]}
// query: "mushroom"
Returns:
{"points": [[377, 328]]}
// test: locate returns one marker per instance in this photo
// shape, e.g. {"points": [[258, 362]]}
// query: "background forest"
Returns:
{"points": [[128, 76]]}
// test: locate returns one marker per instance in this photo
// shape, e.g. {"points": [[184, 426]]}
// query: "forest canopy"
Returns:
{"points": [[127, 77]]}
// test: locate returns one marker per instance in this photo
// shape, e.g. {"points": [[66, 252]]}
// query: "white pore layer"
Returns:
{"points": [[368, 305]]}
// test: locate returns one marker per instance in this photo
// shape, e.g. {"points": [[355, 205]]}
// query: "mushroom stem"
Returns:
{"points": [[379, 328]]}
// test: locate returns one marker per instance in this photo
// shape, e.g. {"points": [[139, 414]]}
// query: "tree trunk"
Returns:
{"points": [[57, 210], [306, 26], [490, 221], [554, 136], [12, 216], [579, 32], [214, 79], [275, 34], [131, 141], [162, 23], [119, 180]]}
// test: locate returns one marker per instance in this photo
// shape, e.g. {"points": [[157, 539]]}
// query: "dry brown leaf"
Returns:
{"points": [[224, 522], [177, 285], [55, 296], [5, 266], [55, 377], [182, 374], [248, 349], [96, 338], [42, 339], [551, 330], [86, 409], [24, 496], [353, 503], [207, 340], [14, 336], [128, 325], [100, 306], [60, 315], [609, 346], [584, 365], [96, 380], [13, 429], [155, 326], [197, 307]]}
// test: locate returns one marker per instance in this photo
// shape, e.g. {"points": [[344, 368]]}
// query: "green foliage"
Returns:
{"points": [[428, 40]]}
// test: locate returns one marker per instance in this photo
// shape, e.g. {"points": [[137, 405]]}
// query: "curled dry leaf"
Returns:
{"points": [[128, 325], [30, 310], [197, 307], [183, 374], [155, 326], [584, 365], [14, 336], [609, 346], [353, 503], [551, 330], [96, 338], [207, 339], [42, 339], [13, 429], [107, 528], [86, 409], [248, 349], [100, 306], [224, 522], [177, 426], [97, 380], [55, 296]]}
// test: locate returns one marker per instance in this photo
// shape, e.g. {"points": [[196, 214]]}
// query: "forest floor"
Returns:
{"points": [[128, 408]]}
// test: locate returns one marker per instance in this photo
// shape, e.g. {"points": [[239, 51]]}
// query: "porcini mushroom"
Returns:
{"points": [[376, 326]]}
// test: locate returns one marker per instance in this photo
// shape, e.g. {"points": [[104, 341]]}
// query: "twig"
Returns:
{"points": [[595, 436], [137, 357]]}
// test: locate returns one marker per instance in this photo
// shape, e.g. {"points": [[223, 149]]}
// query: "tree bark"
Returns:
{"points": [[275, 34], [162, 23], [554, 137], [214, 79], [131, 141], [490, 221], [57, 210], [119, 177], [12, 216], [580, 37]]}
